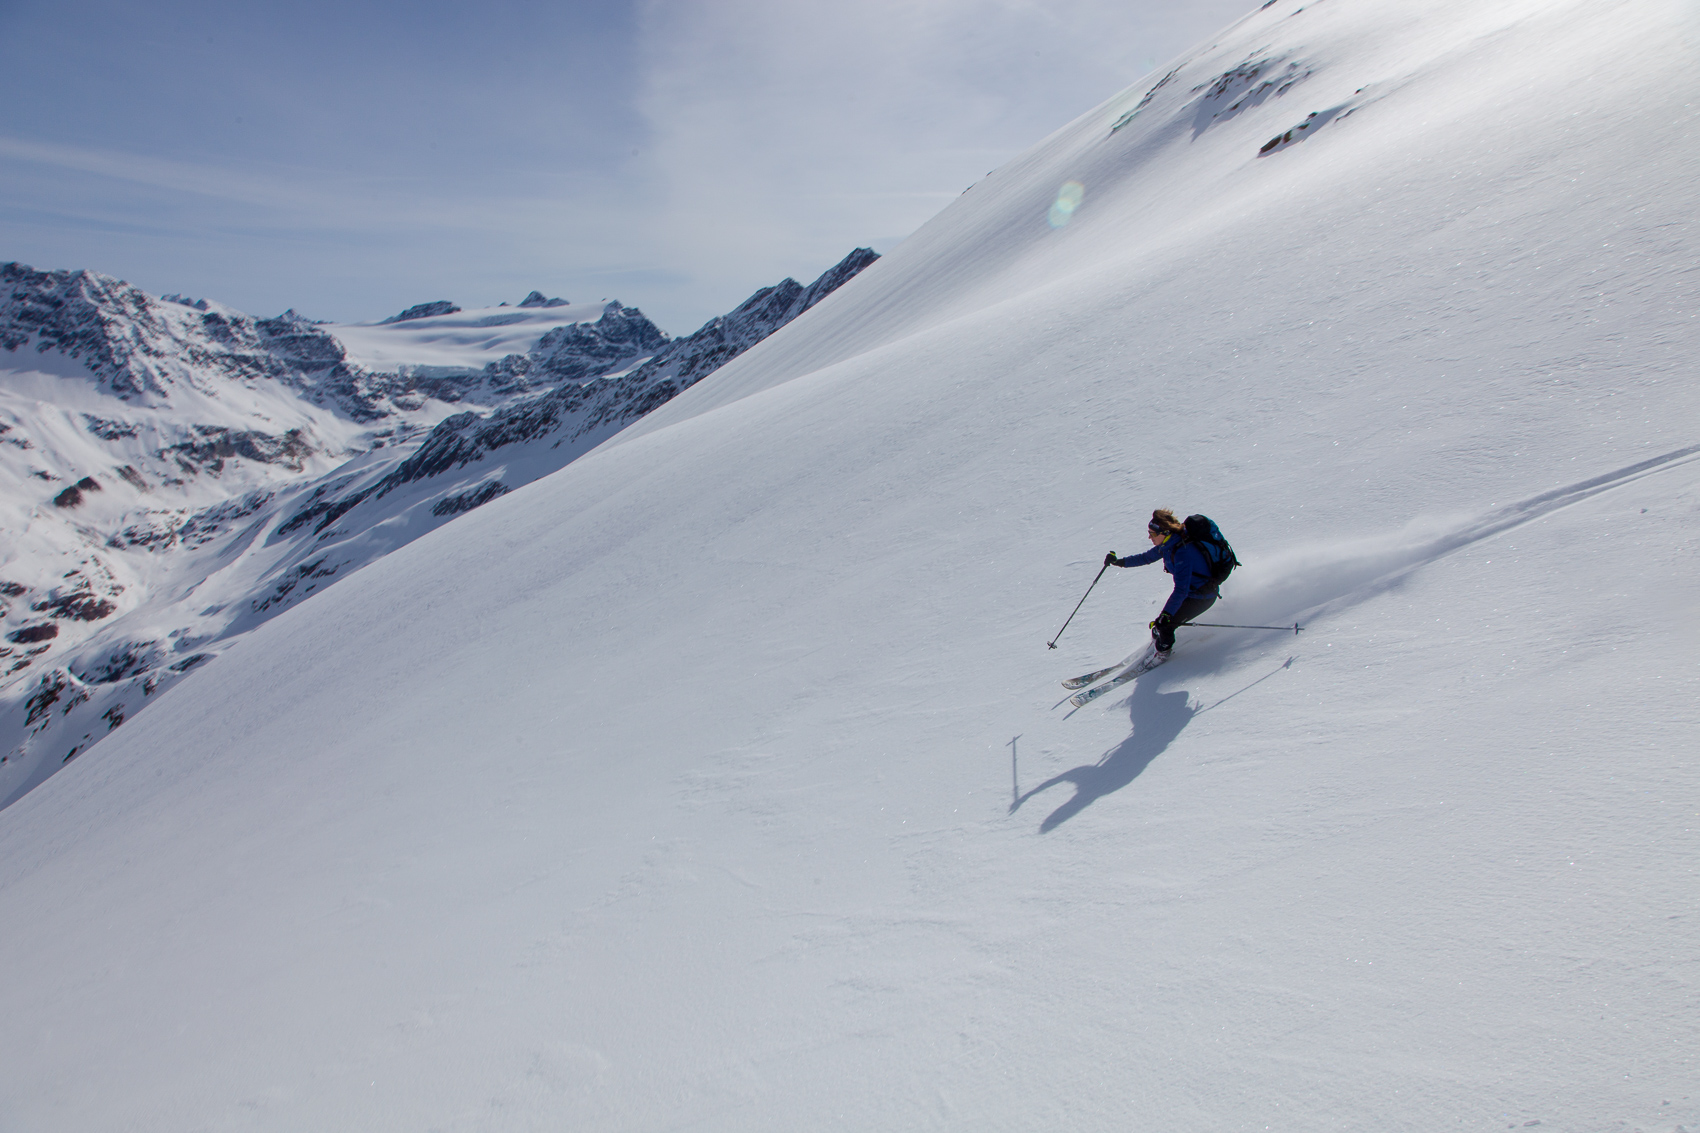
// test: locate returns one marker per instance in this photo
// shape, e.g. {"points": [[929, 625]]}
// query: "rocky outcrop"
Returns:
{"points": [[579, 351], [535, 299], [212, 445], [576, 354], [73, 495], [687, 361], [421, 311], [135, 344], [144, 349]]}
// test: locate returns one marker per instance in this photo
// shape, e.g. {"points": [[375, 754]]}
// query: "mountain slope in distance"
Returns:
{"points": [[181, 535]]}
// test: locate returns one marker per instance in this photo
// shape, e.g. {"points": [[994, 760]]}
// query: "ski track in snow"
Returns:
{"points": [[1316, 581]]}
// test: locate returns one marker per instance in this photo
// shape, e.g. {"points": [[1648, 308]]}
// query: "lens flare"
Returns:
{"points": [[1068, 199]]}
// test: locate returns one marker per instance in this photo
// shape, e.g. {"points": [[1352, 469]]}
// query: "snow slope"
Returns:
{"points": [[718, 780]]}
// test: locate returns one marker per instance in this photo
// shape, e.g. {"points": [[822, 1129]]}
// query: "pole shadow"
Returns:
{"points": [[1158, 717]]}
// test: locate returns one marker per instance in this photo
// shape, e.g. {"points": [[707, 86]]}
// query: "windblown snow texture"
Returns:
{"points": [[721, 780]]}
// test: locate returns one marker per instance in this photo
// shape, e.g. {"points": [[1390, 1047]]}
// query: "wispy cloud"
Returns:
{"points": [[784, 133], [163, 173], [680, 152], [318, 198]]}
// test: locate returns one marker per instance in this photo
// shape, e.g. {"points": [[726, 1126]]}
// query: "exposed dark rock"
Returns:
{"points": [[586, 350], [132, 347], [459, 440], [29, 635], [687, 361], [126, 661], [423, 311], [465, 437], [73, 495], [535, 299], [466, 501], [215, 444], [1313, 122], [108, 430], [1250, 84], [299, 341], [310, 574], [325, 509], [41, 701], [197, 529], [79, 606], [134, 344], [1149, 95]]}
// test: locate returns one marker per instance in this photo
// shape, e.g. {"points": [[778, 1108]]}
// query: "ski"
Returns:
{"points": [[1087, 678], [1144, 665]]}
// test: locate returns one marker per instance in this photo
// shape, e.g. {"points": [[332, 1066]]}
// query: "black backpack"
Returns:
{"points": [[1201, 529]]}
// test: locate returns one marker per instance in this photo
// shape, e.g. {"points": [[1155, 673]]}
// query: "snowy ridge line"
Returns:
{"points": [[1307, 584], [145, 539]]}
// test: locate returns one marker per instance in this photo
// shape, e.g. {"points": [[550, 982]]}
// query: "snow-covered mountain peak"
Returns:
{"points": [[536, 299], [143, 538], [422, 311], [143, 349]]}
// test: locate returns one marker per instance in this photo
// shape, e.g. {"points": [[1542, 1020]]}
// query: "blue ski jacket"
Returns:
{"points": [[1186, 562]]}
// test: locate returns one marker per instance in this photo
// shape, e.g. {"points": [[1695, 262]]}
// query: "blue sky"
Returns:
{"points": [[350, 160]]}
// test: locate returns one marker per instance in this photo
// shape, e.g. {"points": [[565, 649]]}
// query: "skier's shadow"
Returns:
{"points": [[1158, 718]]}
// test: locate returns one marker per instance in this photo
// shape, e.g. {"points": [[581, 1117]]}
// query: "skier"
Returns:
{"points": [[1195, 590]]}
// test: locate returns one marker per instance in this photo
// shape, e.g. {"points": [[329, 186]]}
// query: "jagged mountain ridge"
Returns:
{"points": [[140, 347], [593, 408], [110, 596], [422, 311]]}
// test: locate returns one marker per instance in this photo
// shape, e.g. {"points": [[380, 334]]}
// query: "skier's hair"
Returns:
{"points": [[1163, 522]]}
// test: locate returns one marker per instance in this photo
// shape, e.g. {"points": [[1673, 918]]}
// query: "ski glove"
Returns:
{"points": [[1162, 621], [1111, 560]]}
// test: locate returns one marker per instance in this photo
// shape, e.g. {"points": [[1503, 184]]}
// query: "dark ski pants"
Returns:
{"points": [[1190, 609]]}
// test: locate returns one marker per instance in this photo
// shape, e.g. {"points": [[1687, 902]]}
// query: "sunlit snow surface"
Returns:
{"points": [[466, 340], [718, 781]]}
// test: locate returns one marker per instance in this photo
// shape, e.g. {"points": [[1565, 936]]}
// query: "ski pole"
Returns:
{"points": [[1295, 627], [1053, 642]]}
